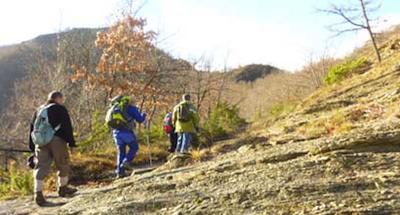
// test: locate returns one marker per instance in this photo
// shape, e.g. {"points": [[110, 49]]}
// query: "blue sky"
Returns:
{"points": [[283, 33]]}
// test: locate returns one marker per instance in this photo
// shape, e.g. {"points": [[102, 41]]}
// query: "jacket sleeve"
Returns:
{"points": [[136, 114], [66, 123], [174, 117], [69, 130], [31, 144], [196, 119]]}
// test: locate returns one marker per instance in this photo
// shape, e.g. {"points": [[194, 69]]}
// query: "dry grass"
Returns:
{"points": [[337, 122], [159, 152], [199, 155]]}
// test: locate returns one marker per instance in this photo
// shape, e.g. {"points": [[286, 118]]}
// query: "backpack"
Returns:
{"points": [[117, 116], [184, 114], [43, 132], [168, 125]]}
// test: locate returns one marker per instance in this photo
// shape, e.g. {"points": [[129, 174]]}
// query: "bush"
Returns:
{"points": [[224, 119], [100, 137], [345, 70], [15, 183]]}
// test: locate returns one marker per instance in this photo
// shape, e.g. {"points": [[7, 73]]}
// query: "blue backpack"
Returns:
{"points": [[43, 132]]}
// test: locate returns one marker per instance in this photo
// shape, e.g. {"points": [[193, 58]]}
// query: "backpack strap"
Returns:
{"points": [[43, 107]]}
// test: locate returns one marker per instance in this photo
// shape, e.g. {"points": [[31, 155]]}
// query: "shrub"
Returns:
{"points": [[15, 183], [224, 119], [100, 137], [343, 71]]}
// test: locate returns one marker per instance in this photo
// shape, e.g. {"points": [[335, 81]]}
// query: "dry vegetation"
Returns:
{"points": [[257, 99]]}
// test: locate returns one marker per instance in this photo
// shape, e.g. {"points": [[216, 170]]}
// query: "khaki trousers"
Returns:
{"points": [[56, 150]]}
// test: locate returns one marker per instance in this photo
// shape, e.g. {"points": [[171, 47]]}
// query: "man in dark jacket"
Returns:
{"points": [[56, 150]]}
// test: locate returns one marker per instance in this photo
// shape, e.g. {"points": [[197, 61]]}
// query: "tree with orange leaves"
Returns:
{"points": [[127, 64]]}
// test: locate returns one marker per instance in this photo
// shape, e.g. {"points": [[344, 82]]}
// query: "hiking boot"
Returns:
{"points": [[119, 176], [39, 199], [128, 166], [183, 154], [66, 191]]}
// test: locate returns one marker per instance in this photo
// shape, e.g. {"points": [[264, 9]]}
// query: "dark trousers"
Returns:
{"points": [[173, 139]]}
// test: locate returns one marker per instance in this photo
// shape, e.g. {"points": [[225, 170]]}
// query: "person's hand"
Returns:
{"points": [[146, 123], [71, 150], [72, 147]]}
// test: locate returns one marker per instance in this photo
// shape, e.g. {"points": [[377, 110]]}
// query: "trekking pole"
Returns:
{"points": [[148, 142]]}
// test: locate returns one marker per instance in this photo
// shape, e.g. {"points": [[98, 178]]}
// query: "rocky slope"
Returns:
{"points": [[338, 153], [358, 174]]}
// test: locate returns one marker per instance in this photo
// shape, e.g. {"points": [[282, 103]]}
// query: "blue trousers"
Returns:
{"points": [[123, 142], [184, 142]]}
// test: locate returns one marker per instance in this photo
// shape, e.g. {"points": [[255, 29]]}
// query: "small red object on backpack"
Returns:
{"points": [[168, 125]]}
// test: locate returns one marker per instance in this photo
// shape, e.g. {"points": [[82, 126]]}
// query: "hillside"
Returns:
{"points": [[77, 46], [252, 72], [338, 152], [16, 61]]}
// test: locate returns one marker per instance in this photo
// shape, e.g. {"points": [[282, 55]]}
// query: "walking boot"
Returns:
{"points": [[39, 198], [66, 191]]}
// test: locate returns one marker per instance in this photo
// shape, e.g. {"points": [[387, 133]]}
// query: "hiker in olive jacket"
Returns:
{"points": [[56, 150], [186, 123]]}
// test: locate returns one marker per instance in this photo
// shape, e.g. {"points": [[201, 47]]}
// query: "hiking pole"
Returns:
{"points": [[148, 142], [15, 150]]}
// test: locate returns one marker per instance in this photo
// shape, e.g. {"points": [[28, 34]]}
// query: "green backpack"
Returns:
{"points": [[184, 113], [43, 132], [117, 116]]}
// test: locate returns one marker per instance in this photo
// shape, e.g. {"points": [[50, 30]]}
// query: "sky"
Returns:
{"points": [[282, 33]]}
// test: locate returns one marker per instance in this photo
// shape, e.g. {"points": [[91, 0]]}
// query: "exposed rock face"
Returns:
{"points": [[357, 173]]}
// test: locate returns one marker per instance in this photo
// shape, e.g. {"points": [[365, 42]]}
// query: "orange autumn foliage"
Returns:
{"points": [[127, 64]]}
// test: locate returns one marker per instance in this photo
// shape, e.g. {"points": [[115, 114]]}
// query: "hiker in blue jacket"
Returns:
{"points": [[124, 136]]}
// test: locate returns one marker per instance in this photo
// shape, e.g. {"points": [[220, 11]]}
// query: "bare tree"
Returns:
{"points": [[316, 69], [355, 18]]}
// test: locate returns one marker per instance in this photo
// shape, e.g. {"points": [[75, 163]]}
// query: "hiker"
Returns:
{"points": [[51, 133], [121, 118], [170, 130], [186, 123]]}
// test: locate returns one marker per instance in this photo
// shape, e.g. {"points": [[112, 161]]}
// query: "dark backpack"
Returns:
{"points": [[168, 125], [184, 114]]}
